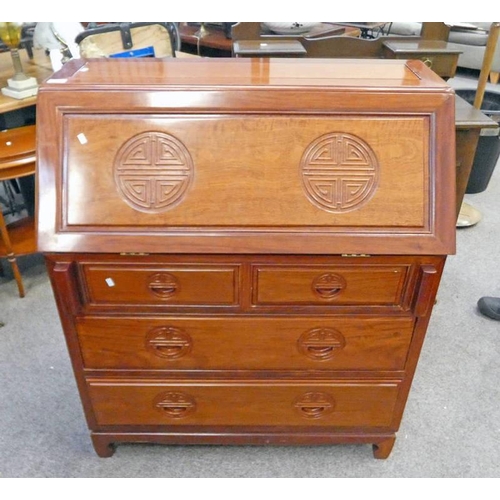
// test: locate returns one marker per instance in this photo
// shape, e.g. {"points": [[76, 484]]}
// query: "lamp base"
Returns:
{"points": [[20, 89]]}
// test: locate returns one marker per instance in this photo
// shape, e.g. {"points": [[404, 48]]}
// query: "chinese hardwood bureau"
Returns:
{"points": [[245, 251]]}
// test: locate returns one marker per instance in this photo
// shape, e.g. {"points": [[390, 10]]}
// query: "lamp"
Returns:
{"points": [[19, 86]]}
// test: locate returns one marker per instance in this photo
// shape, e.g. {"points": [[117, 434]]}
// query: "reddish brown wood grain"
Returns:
{"points": [[246, 126], [343, 404], [243, 343], [245, 251]]}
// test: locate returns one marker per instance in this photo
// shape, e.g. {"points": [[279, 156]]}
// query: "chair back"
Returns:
{"points": [[128, 40]]}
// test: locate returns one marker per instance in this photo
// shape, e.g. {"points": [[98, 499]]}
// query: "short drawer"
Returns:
{"points": [[176, 285], [286, 403], [326, 285], [243, 343]]}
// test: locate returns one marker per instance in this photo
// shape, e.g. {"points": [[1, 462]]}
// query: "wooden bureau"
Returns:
{"points": [[245, 251]]}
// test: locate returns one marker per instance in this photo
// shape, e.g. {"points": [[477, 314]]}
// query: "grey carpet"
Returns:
{"points": [[451, 425]]}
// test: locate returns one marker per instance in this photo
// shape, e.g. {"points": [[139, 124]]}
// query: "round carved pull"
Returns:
{"points": [[168, 342], [321, 344], [175, 404], [328, 285], [314, 404], [163, 285]]}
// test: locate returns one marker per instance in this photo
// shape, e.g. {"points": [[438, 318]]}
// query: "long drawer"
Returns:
{"points": [[342, 404], [245, 343]]}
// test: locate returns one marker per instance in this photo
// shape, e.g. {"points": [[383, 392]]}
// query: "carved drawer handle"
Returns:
{"points": [[165, 290], [427, 61], [168, 342], [175, 404], [321, 344], [328, 285], [320, 351], [327, 291], [163, 285], [313, 411], [314, 404]]}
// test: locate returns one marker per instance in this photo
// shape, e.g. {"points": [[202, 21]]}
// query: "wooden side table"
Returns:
{"points": [[440, 56], [38, 67], [17, 159]]}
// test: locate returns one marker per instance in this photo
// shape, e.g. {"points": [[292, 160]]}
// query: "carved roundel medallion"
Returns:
{"points": [[339, 172], [153, 171]]}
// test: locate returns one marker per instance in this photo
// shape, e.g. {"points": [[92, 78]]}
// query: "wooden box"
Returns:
{"points": [[245, 251]]}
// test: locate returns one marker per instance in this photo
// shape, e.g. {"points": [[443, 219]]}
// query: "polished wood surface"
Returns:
{"points": [[274, 210], [262, 343], [39, 67], [17, 159], [157, 402], [17, 152], [200, 284], [213, 197], [306, 284], [245, 251], [161, 77]]}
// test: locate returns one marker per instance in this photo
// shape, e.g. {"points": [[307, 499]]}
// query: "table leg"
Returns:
{"points": [[10, 255]]}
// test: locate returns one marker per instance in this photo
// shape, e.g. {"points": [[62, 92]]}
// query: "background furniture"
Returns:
{"points": [[269, 48], [211, 41], [440, 56], [38, 67], [214, 307], [470, 41], [17, 159], [128, 40]]}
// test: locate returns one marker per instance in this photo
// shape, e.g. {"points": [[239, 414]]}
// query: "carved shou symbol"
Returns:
{"points": [[314, 404], [168, 342], [175, 404], [321, 344], [339, 172], [328, 285], [153, 171]]}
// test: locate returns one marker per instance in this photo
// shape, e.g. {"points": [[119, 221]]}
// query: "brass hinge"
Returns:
{"points": [[355, 255]]}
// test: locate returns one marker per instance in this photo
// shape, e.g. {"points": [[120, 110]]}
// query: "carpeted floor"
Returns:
{"points": [[451, 426]]}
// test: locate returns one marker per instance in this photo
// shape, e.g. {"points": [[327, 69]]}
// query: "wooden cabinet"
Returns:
{"points": [[440, 56], [245, 251]]}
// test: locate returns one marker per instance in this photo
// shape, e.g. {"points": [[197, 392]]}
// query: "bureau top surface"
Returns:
{"points": [[244, 72]]}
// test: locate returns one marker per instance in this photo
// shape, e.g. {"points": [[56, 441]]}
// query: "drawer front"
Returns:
{"points": [[177, 285], [329, 285], [245, 343], [343, 404]]}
